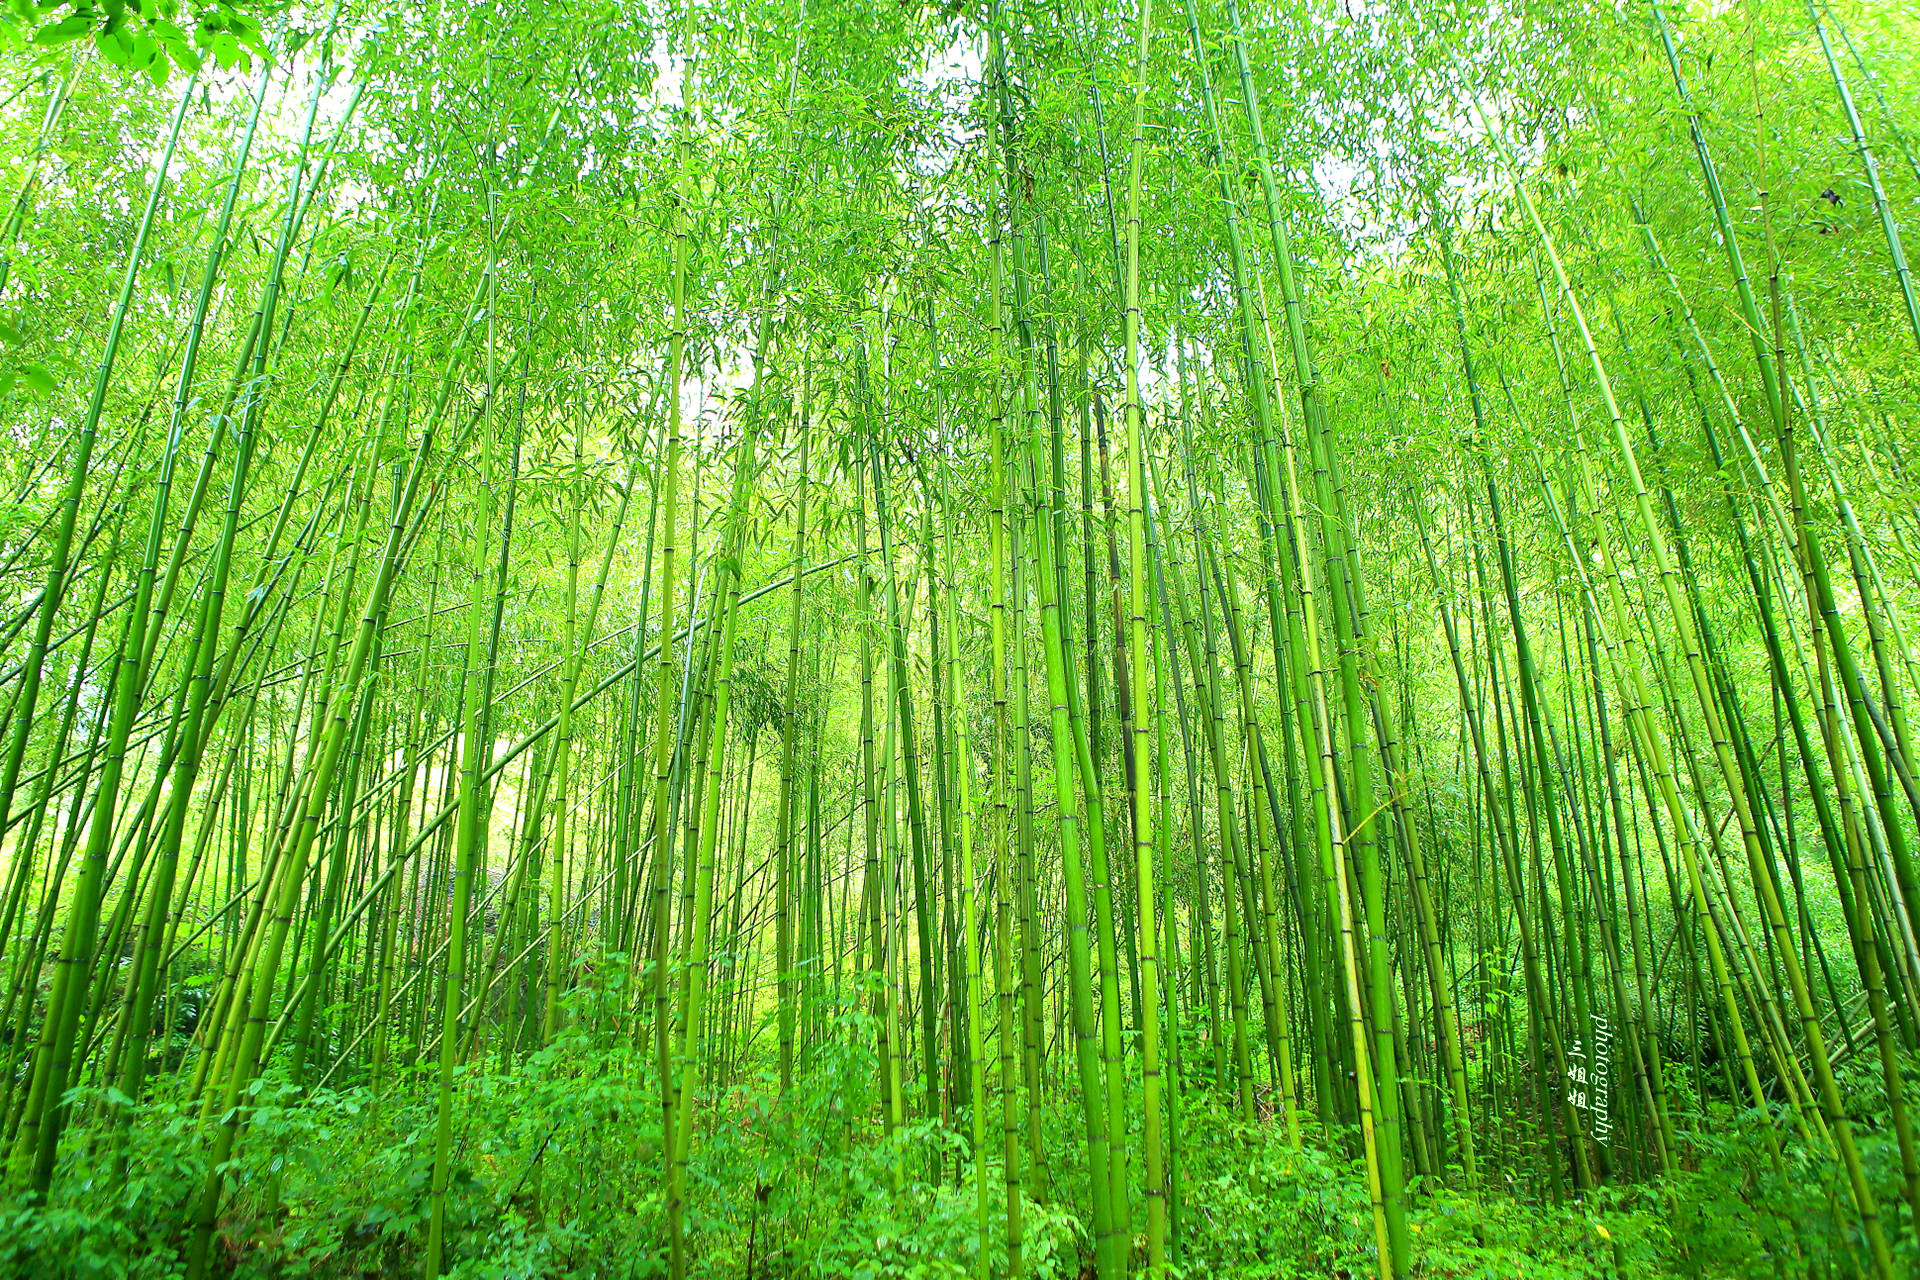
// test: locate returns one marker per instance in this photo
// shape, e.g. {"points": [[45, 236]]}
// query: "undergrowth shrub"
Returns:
{"points": [[557, 1175]]}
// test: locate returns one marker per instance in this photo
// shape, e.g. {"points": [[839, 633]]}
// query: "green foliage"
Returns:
{"points": [[543, 1185], [334, 1184], [544, 1189], [495, 190], [144, 35]]}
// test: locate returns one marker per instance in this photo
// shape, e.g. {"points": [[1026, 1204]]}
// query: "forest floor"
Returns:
{"points": [[558, 1174]]}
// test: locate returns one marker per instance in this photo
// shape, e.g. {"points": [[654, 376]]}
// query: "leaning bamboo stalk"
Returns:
{"points": [[37, 1144]]}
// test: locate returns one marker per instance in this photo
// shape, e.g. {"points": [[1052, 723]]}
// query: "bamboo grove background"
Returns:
{"points": [[1029, 590]]}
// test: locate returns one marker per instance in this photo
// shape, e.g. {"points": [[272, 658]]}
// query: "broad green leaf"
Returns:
{"points": [[70, 28]]}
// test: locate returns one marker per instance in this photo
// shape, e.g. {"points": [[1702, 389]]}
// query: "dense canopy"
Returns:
{"points": [[864, 638]]}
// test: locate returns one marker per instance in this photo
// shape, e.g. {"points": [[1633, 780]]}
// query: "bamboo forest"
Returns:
{"points": [[899, 639]]}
